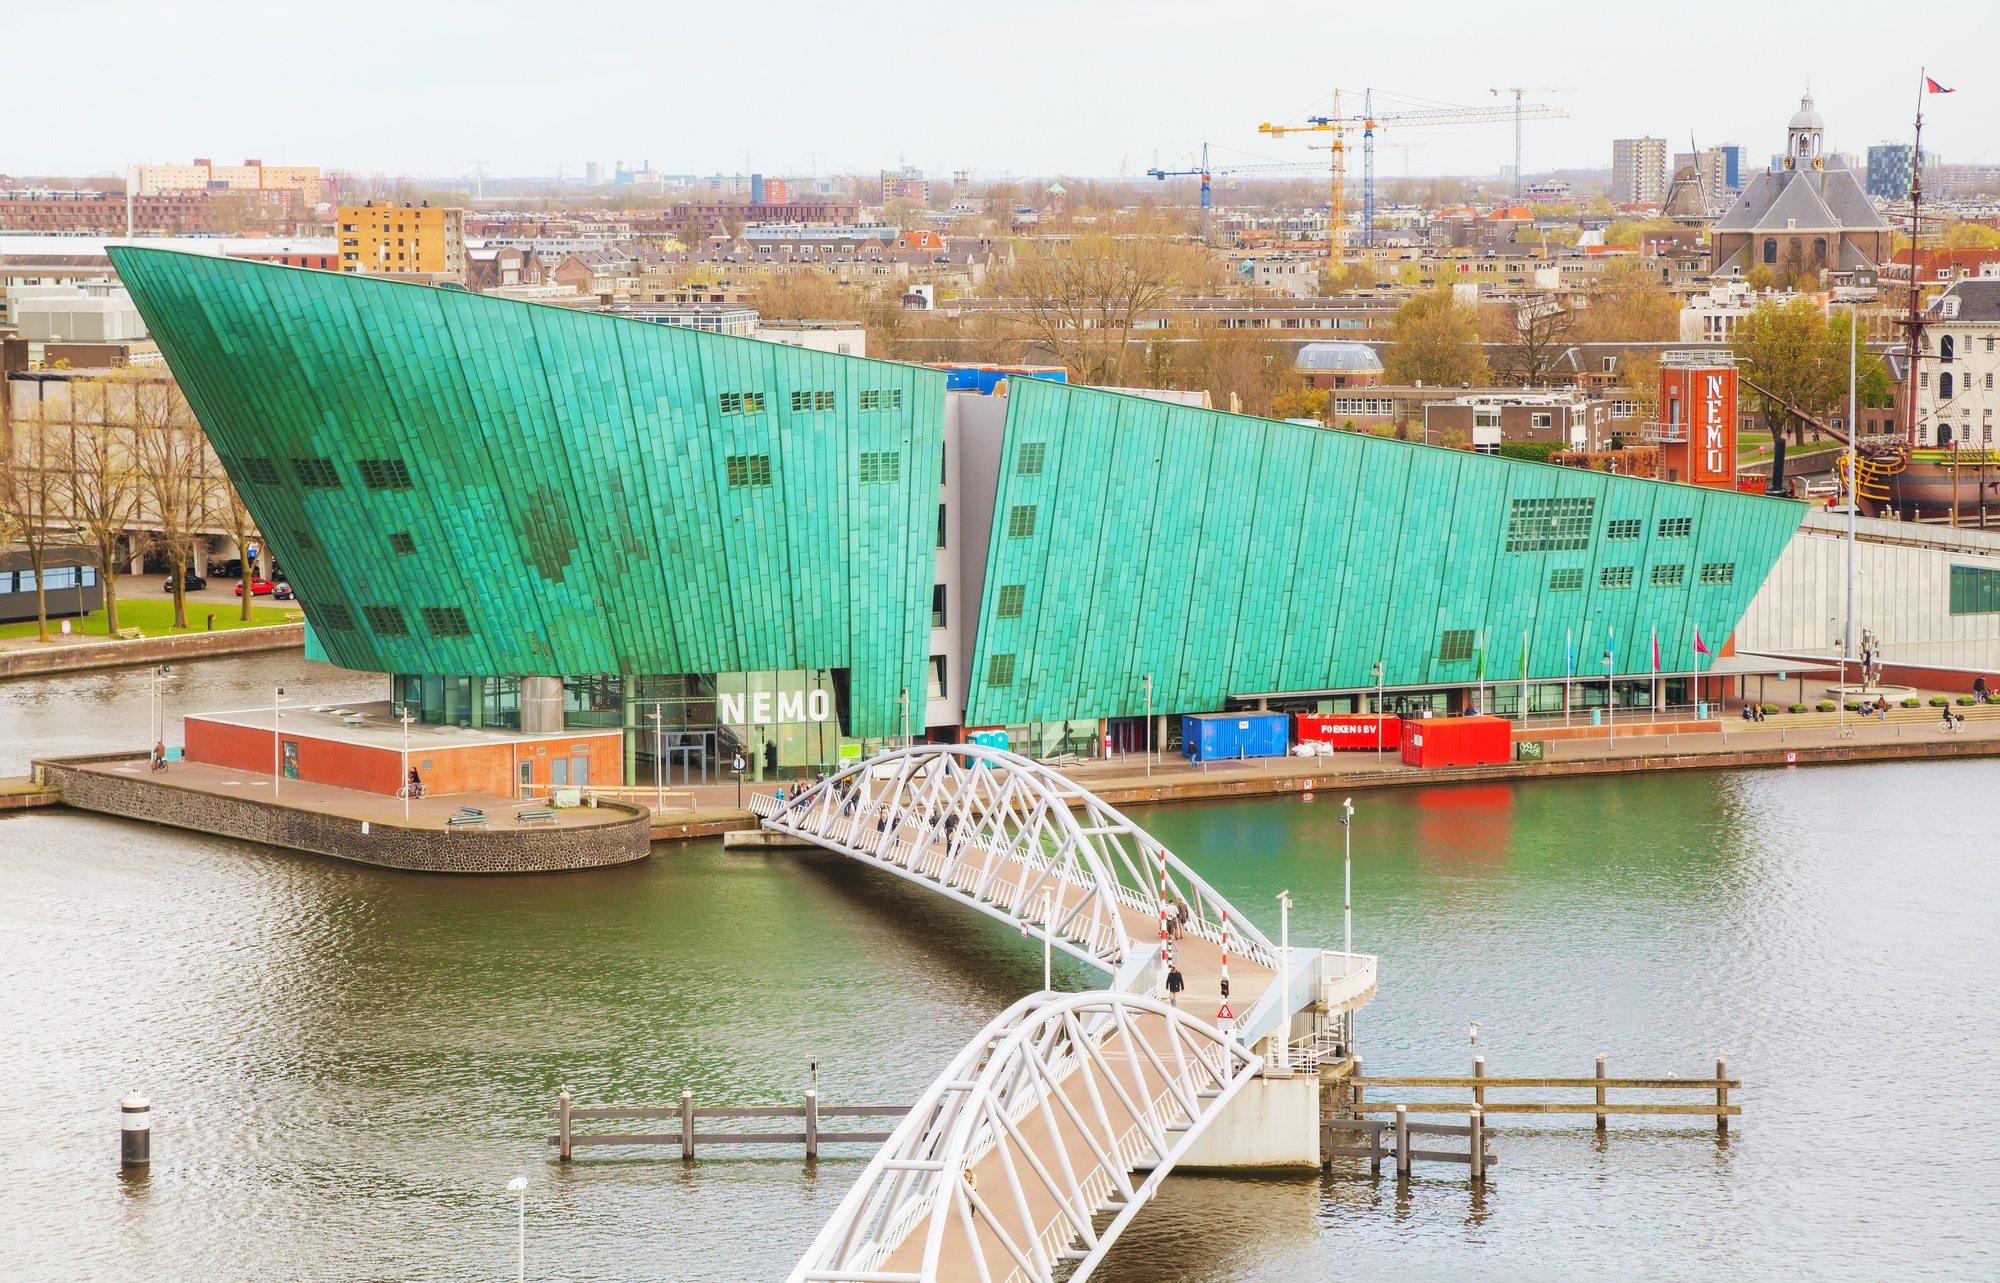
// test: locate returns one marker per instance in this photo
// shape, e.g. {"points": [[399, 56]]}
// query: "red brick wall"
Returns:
{"points": [[454, 768]]}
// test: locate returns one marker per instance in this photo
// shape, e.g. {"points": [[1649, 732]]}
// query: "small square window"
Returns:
{"points": [[1667, 576], [1028, 459], [386, 621], [1676, 527], [1012, 598], [937, 606], [316, 474], [401, 543], [1021, 521], [334, 616], [1455, 646], [1614, 577], [1718, 572], [1567, 579], [261, 471], [880, 467], [446, 621], [999, 670], [747, 470], [1623, 528]]}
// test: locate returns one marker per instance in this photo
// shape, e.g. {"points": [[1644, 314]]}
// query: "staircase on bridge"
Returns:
{"points": [[1047, 1133]]}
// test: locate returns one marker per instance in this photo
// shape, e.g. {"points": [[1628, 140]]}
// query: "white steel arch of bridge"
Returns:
{"points": [[1066, 1109], [1020, 842]]}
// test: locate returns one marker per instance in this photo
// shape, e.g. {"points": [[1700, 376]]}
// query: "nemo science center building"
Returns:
{"points": [[540, 518]]}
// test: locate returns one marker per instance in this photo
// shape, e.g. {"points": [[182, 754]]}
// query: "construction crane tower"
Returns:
{"points": [[1517, 91]]}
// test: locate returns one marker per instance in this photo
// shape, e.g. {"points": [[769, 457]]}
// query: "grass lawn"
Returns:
{"points": [[152, 617]]}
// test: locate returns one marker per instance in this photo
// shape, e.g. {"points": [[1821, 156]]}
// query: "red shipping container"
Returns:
{"points": [[1344, 731], [1457, 741]]}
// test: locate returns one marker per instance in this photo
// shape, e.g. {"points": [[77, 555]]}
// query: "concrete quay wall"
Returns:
{"points": [[41, 661], [387, 845]]}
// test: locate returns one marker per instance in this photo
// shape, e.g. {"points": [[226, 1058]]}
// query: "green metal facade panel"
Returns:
{"points": [[1230, 555], [571, 487]]}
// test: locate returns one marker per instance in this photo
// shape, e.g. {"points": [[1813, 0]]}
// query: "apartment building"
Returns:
{"points": [[1639, 171], [384, 237]]}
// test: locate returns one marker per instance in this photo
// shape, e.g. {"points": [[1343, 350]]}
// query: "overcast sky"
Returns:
{"points": [[1025, 88]]}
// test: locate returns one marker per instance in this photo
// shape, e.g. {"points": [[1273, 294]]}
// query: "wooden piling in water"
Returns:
{"points": [[1600, 1094], [1478, 1072], [687, 1123], [1402, 1142], [812, 1124], [1478, 1153], [1722, 1096], [562, 1125]]}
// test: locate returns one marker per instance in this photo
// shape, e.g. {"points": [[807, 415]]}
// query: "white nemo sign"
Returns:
{"points": [[766, 708]]}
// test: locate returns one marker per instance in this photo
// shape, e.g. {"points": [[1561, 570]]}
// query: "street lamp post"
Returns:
{"points": [[277, 743], [1377, 672], [739, 779], [659, 781], [1347, 830], [1610, 693], [904, 700], [1147, 681], [519, 1188], [405, 790], [1284, 980]]}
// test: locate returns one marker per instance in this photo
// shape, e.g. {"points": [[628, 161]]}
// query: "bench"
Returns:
{"points": [[452, 822], [535, 817], [472, 812], [131, 634]]}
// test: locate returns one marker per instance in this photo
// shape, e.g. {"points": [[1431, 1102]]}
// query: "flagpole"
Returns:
{"points": [[1569, 668], [1524, 680], [1655, 692]]}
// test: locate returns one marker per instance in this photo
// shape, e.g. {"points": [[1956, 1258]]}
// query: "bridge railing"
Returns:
{"points": [[1009, 808]]}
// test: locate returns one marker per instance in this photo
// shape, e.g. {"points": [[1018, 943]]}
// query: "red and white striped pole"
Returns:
{"points": [[1165, 938], [1222, 1016]]}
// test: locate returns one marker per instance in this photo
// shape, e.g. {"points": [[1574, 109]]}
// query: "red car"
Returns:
{"points": [[258, 588]]}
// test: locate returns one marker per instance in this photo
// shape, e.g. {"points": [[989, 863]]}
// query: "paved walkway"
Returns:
{"points": [[324, 799]]}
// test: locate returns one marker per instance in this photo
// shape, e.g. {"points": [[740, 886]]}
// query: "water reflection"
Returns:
{"points": [[347, 1064]]}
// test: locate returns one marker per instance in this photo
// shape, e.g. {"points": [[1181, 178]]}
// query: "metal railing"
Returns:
{"points": [[687, 1112]]}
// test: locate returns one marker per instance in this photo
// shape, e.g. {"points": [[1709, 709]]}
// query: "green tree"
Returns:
{"points": [[1794, 352], [1434, 339], [1971, 236]]}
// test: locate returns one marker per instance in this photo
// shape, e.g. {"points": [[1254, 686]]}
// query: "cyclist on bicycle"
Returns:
{"points": [[416, 784]]}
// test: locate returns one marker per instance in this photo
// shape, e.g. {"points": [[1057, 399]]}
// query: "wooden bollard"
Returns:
{"points": [[1721, 1095], [1600, 1094], [135, 1131], [1402, 1140], [812, 1124], [1354, 1091], [687, 1123], [562, 1125], [1478, 1144], [1478, 1072]]}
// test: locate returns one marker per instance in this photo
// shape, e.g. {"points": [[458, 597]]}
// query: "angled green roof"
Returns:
{"points": [[572, 492], [1230, 555]]}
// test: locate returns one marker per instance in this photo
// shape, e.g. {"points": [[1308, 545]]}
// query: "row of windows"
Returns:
{"points": [[388, 621], [319, 473], [1713, 574], [1363, 405], [809, 401], [878, 467], [53, 577], [1563, 525]]}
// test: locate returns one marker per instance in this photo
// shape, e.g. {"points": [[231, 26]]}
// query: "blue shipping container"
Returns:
{"points": [[1212, 737]]}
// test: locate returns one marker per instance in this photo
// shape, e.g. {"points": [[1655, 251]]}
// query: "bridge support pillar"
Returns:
{"points": [[1273, 1123]]}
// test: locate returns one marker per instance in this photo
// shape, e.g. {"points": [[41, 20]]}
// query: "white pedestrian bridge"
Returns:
{"points": [[1049, 1131]]}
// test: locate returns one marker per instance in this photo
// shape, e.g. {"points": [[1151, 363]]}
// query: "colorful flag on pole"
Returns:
{"points": [[1700, 649], [1932, 86], [1656, 650], [1569, 651]]}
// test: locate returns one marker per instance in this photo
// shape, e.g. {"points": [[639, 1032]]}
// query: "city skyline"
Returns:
{"points": [[1029, 93]]}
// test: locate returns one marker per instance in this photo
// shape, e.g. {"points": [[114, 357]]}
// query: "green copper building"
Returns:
{"points": [[535, 516]]}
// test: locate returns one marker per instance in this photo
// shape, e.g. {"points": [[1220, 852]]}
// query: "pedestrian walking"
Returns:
{"points": [[1180, 915], [950, 831], [1175, 983], [770, 757]]}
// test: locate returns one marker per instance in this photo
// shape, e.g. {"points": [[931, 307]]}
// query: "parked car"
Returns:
{"points": [[281, 591], [258, 588], [191, 583]]}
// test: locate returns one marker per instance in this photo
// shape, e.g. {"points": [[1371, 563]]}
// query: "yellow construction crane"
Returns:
{"points": [[1367, 122], [1336, 124]]}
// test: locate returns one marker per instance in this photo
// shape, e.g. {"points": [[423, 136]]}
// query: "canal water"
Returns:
{"points": [[347, 1066]]}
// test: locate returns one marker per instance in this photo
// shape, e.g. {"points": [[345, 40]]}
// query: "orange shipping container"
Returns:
{"points": [[1457, 741]]}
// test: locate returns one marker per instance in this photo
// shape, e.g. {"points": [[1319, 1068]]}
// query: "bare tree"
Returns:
{"points": [[32, 492], [1533, 338], [242, 527], [96, 452], [179, 472], [1081, 298]]}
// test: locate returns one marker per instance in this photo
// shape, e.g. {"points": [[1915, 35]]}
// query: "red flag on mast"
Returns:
{"points": [[1932, 86], [1700, 649]]}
